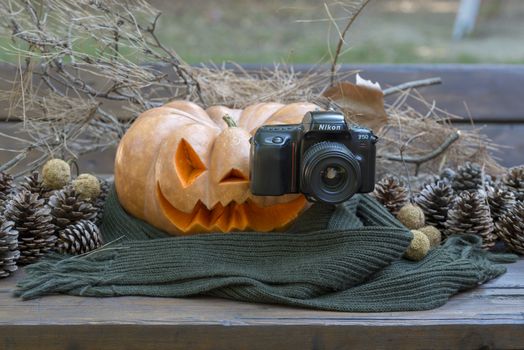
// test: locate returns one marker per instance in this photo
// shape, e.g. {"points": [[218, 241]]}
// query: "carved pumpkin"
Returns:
{"points": [[184, 170]]}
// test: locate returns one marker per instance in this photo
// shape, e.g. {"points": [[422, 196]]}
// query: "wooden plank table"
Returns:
{"points": [[488, 317]]}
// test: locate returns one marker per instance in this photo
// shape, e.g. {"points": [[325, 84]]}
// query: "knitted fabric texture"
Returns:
{"points": [[345, 258]]}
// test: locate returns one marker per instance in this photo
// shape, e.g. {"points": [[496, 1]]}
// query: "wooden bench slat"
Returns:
{"points": [[488, 305], [491, 316], [196, 337], [491, 92], [509, 136]]}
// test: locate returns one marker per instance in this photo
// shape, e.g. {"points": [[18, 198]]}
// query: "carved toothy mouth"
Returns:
{"points": [[231, 217]]}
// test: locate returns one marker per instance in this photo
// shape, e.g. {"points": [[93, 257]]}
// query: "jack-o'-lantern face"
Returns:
{"points": [[184, 170]]}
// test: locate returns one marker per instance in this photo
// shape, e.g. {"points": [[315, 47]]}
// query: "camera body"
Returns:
{"points": [[323, 157]]}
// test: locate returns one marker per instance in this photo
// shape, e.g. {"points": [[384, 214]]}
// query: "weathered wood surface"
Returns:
{"points": [[491, 316], [488, 317], [493, 93], [509, 136], [95, 163]]}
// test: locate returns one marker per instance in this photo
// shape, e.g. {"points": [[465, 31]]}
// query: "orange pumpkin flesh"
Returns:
{"points": [[234, 216], [184, 170], [188, 165]]}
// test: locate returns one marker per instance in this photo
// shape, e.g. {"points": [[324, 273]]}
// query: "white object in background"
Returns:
{"points": [[363, 82], [466, 18]]}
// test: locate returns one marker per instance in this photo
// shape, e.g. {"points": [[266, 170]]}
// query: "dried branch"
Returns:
{"points": [[70, 101], [418, 160], [354, 10], [412, 85], [62, 110]]}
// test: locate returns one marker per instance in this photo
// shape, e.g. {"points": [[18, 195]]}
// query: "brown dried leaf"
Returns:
{"points": [[361, 104]]}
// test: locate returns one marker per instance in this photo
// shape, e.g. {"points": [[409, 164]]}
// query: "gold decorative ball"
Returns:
{"points": [[411, 216], [87, 186], [419, 246], [433, 234], [56, 173]]}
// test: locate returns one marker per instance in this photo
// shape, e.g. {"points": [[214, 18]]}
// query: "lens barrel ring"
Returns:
{"points": [[329, 155]]}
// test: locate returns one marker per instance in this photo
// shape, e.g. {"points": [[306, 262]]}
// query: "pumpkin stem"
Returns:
{"points": [[229, 121]]}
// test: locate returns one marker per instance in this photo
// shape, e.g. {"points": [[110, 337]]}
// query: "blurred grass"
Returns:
{"points": [[388, 31]]}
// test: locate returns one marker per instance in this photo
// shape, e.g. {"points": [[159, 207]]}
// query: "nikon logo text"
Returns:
{"points": [[329, 127]]}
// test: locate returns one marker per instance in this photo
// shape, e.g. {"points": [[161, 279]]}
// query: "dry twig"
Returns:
{"points": [[418, 160], [64, 47], [61, 112], [354, 9], [412, 85]]}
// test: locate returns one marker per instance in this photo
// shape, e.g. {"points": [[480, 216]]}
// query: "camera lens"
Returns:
{"points": [[330, 172], [333, 176]]}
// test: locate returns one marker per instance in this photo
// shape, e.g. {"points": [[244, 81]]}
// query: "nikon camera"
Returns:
{"points": [[323, 157]]}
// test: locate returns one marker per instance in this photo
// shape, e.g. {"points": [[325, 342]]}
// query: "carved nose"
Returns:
{"points": [[234, 175]]}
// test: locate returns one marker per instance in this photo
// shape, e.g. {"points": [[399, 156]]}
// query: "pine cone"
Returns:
{"points": [[470, 214], [448, 174], [418, 182], [100, 201], [9, 252], [468, 178], [32, 219], [500, 200], [67, 208], [435, 200], [391, 193], [514, 179], [79, 238], [6, 189], [489, 180], [510, 228], [32, 183]]}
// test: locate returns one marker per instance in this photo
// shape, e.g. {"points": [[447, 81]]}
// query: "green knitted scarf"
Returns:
{"points": [[345, 258]]}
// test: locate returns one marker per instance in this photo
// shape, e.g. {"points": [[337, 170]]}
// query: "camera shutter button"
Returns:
{"points": [[277, 139]]}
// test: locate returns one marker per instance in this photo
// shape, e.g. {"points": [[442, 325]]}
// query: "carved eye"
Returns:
{"points": [[188, 163], [234, 175]]}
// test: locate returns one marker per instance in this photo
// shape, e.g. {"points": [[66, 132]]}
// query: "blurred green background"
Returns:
{"points": [[299, 31]]}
